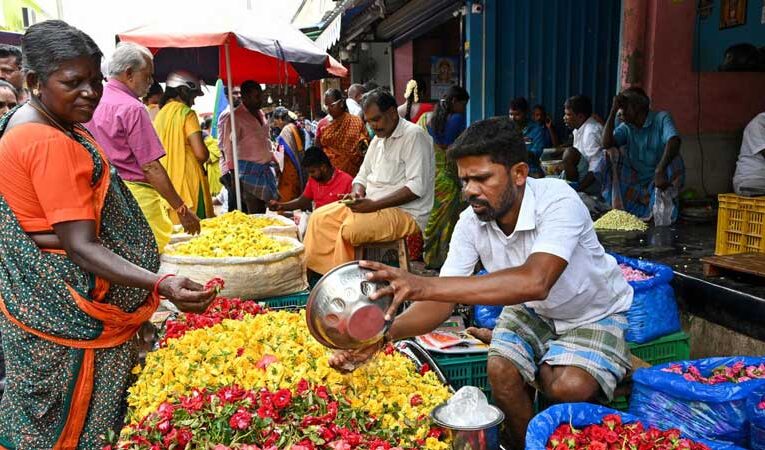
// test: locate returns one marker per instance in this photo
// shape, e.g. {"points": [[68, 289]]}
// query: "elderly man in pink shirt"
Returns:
{"points": [[255, 155], [121, 125]]}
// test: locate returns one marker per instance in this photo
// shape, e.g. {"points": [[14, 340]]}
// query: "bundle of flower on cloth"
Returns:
{"points": [[242, 377], [611, 433]]}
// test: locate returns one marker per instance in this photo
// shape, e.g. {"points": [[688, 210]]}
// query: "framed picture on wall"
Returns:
{"points": [[443, 74], [732, 13]]}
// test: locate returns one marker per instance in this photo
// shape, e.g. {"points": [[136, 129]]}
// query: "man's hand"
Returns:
{"points": [[358, 191], [402, 285], [190, 222], [363, 205], [660, 180], [274, 205], [347, 361]]}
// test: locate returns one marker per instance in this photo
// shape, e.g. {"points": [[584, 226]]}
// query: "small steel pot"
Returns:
{"points": [[485, 437], [339, 313]]}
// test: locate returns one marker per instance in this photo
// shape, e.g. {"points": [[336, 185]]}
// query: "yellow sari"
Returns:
{"points": [[213, 166], [174, 123]]}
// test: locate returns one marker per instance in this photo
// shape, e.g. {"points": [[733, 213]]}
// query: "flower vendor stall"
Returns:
{"points": [[244, 377]]}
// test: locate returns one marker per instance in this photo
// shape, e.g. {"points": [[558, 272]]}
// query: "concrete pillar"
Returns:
{"points": [[632, 55]]}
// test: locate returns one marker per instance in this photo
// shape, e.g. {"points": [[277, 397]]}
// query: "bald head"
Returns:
{"points": [[356, 91]]}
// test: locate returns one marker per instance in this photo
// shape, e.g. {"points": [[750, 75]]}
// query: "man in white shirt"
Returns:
{"points": [[749, 179], [581, 162], [392, 194], [355, 93], [563, 323]]}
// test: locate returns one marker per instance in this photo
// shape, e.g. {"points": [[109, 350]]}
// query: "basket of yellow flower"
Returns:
{"points": [[253, 264], [272, 225]]}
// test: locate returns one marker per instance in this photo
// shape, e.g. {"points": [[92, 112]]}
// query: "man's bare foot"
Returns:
{"points": [[482, 334]]}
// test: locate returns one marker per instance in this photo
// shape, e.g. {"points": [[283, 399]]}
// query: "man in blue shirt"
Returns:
{"points": [[534, 135], [643, 157]]}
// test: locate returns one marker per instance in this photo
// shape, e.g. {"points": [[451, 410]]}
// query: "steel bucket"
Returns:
{"points": [[485, 437]]}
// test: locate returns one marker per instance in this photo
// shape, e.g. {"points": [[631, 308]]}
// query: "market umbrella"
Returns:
{"points": [[246, 46]]}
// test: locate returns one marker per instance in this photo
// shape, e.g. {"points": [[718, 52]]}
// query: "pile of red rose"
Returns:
{"points": [[612, 434], [631, 274], [736, 373]]}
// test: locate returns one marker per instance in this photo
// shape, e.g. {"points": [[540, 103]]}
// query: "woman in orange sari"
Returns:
{"points": [[77, 257], [291, 141], [345, 139]]}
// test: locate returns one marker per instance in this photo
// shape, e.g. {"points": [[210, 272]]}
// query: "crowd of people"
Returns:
{"points": [[97, 175]]}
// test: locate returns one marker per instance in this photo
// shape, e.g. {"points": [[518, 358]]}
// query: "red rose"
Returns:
{"points": [[302, 386], [379, 444], [166, 410], [164, 427], [215, 284], [194, 402], [597, 433], [561, 446], [241, 420], [282, 398], [184, 437], [435, 433], [611, 437], [424, 369], [339, 445], [389, 349], [416, 400], [266, 411], [321, 392], [597, 445], [326, 433]]}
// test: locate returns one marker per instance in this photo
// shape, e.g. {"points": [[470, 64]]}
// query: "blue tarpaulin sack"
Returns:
{"points": [[580, 415], [702, 411], [485, 316], [756, 419], [653, 313]]}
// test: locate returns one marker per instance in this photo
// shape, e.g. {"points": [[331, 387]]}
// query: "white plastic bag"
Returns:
{"points": [[663, 206]]}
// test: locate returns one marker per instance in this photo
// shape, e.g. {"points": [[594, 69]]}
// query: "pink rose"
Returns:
{"points": [[241, 420]]}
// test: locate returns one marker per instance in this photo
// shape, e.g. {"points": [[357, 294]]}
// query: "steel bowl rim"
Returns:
{"points": [[441, 423]]}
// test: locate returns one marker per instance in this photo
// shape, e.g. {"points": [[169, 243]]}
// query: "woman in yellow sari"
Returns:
{"points": [[345, 139], [178, 128]]}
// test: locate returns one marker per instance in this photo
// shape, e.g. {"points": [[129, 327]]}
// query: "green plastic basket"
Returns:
{"points": [[465, 370], [672, 347], [296, 300]]}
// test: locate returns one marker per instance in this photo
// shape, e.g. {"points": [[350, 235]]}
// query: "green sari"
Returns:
{"points": [[447, 206], [68, 335]]}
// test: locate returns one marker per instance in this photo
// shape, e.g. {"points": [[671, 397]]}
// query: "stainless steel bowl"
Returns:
{"points": [[339, 312], [485, 437]]}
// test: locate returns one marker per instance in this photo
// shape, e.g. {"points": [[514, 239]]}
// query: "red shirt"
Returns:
{"points": [[325, 193]]}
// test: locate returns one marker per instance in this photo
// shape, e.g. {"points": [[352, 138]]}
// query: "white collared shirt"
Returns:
{"points": [[405, 159], [552, 220], [353, 107], [588, 141], [750, 168]]}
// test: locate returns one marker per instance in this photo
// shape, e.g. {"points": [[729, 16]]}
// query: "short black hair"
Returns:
{"points": [[519, 104], [579, 104], [7, 51], [250, 86], [46, 45], [155, 89], [380, 97], [314, 157], [636, 97], [497, 137]]}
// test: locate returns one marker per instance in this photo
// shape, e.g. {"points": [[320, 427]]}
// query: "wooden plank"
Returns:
{"points": [[750, 263]]}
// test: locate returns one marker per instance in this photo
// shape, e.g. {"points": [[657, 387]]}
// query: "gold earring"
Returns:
{"points": [[35, 92]]}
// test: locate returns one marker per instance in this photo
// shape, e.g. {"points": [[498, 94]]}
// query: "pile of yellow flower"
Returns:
{"points": [[275, 351], [231, 234]]}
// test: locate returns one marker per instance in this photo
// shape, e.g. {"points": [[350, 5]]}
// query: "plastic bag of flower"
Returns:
{"points": [[705, 398], [485, 316], [756, 410], [586, 426], [653, 313]]}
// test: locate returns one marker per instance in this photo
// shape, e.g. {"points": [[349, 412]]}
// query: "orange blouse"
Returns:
{"points": [[45, 177]]}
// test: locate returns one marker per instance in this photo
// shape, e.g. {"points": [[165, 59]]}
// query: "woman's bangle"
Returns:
{"points": [[155, 291]]}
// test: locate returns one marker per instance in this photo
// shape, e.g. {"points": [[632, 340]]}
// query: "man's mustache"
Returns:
{"points": [[473, 200]]}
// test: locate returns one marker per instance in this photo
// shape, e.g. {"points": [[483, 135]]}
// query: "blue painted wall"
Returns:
{"points": [[546, 51], [713, 41]]}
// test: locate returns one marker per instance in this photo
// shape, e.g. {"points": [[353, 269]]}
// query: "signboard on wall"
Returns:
{"points": [[443, 74]]}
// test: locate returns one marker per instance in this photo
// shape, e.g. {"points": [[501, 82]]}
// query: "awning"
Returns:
{"points": [[415, 19], [330, 35]]}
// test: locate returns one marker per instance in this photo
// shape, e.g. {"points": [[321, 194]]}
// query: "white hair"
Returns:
{"points": [[128, 56]]}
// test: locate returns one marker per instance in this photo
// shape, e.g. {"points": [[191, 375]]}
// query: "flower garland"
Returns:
{"points": [[612, 434], [737, 373]]}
